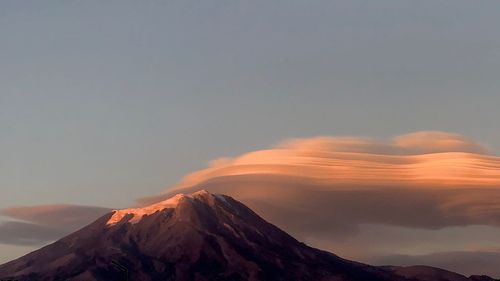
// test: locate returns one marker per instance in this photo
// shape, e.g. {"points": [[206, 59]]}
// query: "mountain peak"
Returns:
{"points": [[135, 215]]}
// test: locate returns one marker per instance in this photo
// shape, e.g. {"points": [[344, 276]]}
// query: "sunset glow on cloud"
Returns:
{"points": [[328, 186], [417, 160]]}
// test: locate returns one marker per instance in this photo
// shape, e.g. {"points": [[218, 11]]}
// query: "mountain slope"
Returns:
{"points": [[201, 236], [428, 273]]}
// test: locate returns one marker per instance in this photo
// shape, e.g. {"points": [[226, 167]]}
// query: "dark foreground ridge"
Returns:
{"points": [[201, 236]]}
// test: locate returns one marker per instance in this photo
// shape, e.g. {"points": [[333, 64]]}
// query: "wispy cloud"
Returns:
{"points": [[34, 225], [23, 233]]}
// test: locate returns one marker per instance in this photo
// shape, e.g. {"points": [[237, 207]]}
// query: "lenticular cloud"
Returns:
{"points": [[326, 186], [424, 159]]}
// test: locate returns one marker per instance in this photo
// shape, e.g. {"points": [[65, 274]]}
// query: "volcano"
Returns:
{"points": [[201, 236]]}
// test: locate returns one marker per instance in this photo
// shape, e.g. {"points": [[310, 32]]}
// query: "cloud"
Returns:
{"points": [[61, 215], [423, 142], [426, 159], [328, 186], [435, 142], [35, 225], [22, 233]]}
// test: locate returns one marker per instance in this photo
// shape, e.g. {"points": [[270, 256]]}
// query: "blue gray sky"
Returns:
{"points": [[123, 98]]}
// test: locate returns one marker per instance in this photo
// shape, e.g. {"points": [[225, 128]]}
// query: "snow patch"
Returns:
{"points": [[138, 213]]}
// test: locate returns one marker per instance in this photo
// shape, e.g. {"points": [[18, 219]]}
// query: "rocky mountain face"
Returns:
{"points": [[200, 236]]}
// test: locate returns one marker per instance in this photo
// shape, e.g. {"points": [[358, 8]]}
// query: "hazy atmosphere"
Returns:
{"points": [[373, 124]]}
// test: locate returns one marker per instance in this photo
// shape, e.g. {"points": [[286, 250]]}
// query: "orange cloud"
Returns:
{"points": [[423, 158], [327, 186]]}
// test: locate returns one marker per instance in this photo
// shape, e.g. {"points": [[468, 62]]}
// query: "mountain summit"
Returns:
{"points": [[201, 236]]}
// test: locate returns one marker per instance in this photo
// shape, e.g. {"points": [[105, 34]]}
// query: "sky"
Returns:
{"points": [[102, 103]]}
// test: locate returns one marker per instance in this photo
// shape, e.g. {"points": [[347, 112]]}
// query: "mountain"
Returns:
{"points": [[428, 273], [200, 236]]}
